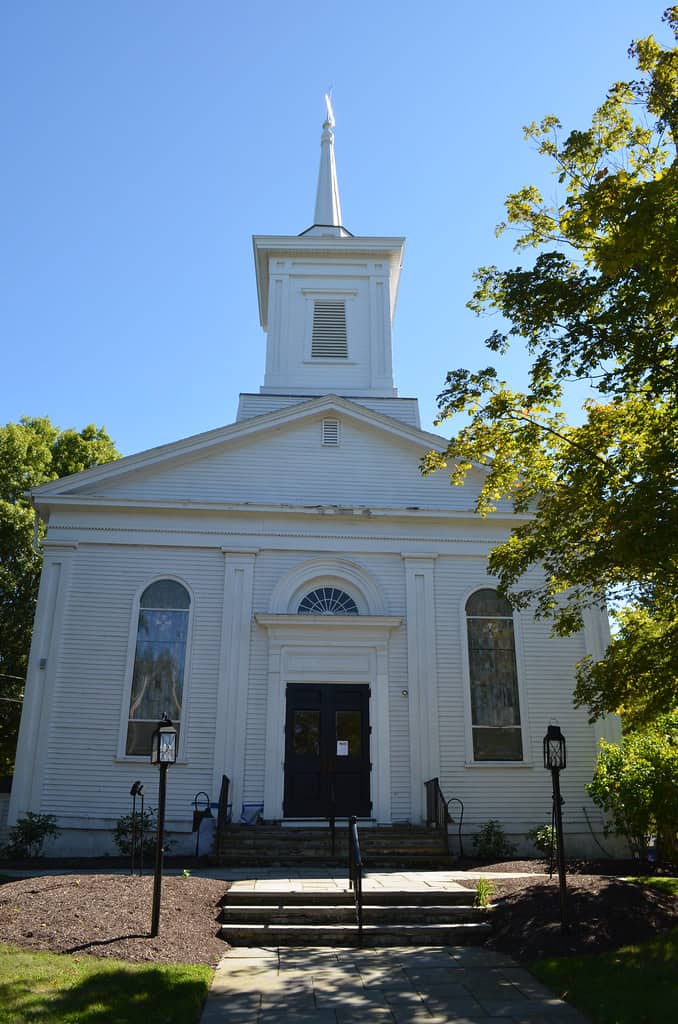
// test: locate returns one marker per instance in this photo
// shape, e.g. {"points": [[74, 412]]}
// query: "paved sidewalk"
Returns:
{"points": [[403, 985]]}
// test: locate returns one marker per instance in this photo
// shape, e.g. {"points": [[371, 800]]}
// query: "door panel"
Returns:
{"points": [[327, 751]]}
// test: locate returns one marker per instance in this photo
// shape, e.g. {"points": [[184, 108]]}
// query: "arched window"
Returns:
{"points": [[495, 706], [159, 661], [327, 601]]}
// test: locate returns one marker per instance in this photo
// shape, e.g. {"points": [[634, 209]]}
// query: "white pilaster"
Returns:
{"points": [[234, 655], [422, 673], [41, 680], [596, 638]]}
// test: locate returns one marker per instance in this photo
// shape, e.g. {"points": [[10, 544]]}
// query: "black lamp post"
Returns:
{"points": [[555, 759], [163, 753]]}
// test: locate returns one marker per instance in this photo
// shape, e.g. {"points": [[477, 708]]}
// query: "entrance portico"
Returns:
{"points": [[334, 650]]}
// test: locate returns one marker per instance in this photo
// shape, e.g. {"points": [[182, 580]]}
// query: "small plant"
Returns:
{"points": [[491, 842], [544, 839], [185, 873], [484, 893], [28, 836], [145, 824]]}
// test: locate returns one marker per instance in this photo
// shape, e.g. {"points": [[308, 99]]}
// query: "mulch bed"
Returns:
{"points": [[109, 915], [603, 912]]}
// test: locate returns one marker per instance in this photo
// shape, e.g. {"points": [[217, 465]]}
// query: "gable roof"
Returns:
{"points": [[199, 446]]}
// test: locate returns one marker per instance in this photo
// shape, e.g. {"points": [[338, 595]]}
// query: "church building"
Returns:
{"points": [[313, 614]]}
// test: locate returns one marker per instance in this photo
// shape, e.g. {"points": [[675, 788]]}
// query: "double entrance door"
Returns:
{"points": [[327, 751]]}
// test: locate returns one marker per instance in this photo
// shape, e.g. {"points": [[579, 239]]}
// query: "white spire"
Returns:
{"points": [[327, 217]]}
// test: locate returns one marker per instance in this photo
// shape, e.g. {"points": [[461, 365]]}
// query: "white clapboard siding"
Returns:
{"points": [[291, 466], [405, 410], [514, 795], [84, 777]]}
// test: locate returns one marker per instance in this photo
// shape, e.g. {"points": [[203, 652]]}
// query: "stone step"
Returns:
{"points": [[427, 863], [312, 914], [349, 935], [381, 846], [336, 898]]}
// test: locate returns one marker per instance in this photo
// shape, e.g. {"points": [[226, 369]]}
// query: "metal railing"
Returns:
{"points": [[355, 872], [438, 812], [222, 811], [332, 817]]}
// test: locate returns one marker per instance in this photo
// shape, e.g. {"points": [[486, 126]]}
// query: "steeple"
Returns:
{"points": [[327, 217], [326, 302]]}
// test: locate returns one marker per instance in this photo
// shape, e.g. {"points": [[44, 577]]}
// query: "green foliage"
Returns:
{"points": [[53, 988], [636, 783], [632, 984], [544, 839], [490, 842], [122, 833], [29, 835], [483, 893], [32, 452], [598, 305]]}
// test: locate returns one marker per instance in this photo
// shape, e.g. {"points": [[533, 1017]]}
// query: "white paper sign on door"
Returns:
{"points": [[342, 748]]}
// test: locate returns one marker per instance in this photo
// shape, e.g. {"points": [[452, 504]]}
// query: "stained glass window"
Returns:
{"points": [[327, 601], [159, 661], [495, 705]]}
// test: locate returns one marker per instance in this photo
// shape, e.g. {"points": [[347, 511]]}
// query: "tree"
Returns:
{"points": [[635, 783], [32, 452], [599, 304]]}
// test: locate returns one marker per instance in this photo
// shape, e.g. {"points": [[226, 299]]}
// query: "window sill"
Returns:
{"points": [[498, 764], [330, 359]]}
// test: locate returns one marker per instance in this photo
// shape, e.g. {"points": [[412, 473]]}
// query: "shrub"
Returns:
{"points": [[544, 839], [146, 823], [491, 841], [636, 783], [28, 836], [484, 892]]}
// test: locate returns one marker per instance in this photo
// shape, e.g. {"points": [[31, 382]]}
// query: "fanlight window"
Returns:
{"points": [[159, 662], [495, 705], [327, 601]]}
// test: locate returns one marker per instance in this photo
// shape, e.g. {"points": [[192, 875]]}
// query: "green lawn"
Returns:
{"points": [[632, 985], [667, 885], [46, 988]]}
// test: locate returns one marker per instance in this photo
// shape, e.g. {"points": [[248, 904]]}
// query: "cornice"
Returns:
{"points": [[335, 622], [340, 512]]}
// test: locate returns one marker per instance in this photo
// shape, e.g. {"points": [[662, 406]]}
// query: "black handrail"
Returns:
{"points": [[438, 812], [456, 800], [332, 816], [355, 872], [222, 811]]}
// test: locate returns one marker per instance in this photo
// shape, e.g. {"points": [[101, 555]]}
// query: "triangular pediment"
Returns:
{"points": [[281, 458]]}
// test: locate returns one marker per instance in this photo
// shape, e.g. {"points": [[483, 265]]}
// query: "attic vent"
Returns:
{"points": [[329, 331], [330, 432]]}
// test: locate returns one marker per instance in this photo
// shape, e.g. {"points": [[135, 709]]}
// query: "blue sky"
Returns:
{"points": [[145, 142]]}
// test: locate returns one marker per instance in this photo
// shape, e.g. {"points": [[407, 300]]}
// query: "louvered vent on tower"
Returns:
{"points": [[329, 330]]}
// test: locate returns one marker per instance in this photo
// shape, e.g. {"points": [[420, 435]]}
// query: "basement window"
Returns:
{"points": [[330, 432], [329, 339]]}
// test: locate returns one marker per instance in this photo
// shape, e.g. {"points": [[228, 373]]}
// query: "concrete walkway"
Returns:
{"points": [[403, 985], [395, 985]]}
